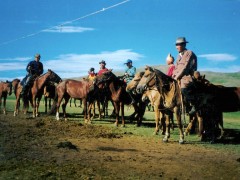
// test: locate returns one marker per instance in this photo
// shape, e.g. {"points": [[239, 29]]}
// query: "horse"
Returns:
{"points": [[49, 92], [170, 96], [17, 90], [34, 93], [5, 89], [141, 105], [213, 100], [84, 90]]}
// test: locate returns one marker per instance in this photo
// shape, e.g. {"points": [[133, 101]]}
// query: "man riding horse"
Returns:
{"points": [[185, 66], [34, 69]]}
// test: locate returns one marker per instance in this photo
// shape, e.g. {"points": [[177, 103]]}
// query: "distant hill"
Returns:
{"points": [[225, 79]]}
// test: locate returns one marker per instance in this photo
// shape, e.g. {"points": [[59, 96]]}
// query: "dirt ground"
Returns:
{"points": [[44, 148]]}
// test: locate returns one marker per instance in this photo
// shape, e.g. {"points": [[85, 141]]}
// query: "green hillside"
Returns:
{"points": [[225, 79]]}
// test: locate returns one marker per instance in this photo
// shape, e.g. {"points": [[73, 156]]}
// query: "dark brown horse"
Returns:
{"points": [[118, 94], [5, 89], [170, 96], [84, 90], [49, 92], [140, 106], [213, 100]]}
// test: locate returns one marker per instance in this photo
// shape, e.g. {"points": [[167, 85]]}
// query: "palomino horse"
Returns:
{"points": [[5, 89], [170, 96], [35, 93], [84, 90], [118, 94]]}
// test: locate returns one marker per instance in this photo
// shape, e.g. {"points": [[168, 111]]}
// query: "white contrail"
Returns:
{"points": [[67, 22]]}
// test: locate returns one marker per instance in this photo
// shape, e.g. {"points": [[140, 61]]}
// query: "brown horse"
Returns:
{"points": [[118, 94], [49, 92], [5, 89], [17, 90], [84, 90], [34, 94], [170, 96]]}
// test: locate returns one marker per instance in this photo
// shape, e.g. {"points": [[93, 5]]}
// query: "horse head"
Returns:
{"points": [[53, 78], [9, 87], [132, 85], [148, 80]]}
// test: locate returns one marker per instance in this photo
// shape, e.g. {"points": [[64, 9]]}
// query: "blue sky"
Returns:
{"points": [[74, 35]]}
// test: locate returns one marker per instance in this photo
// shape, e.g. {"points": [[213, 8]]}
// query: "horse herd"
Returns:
{"points": [[152, 86]]}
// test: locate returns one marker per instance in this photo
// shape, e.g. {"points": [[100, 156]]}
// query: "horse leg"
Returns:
{"points": [[4, 104], [157, 120], [85, 109], [220, 124], [122, 111], [57, 106], [64, 105], [167, 133], [179, 124], [34, 105], [117, 108], [17, 104], [93, 107], [89, 109], [37, 107], [45, 100], [99, 110]]}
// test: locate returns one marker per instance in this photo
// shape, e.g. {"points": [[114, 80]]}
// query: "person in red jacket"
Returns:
{"points": [[171, 66], [102, 67]]}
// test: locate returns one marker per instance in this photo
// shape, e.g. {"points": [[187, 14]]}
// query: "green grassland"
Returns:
{"points": [[231, 120]]}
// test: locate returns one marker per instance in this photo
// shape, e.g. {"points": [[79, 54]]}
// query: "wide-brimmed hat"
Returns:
{"points": [[37, 55], [102, 62], [128, 61], [181, 40]]}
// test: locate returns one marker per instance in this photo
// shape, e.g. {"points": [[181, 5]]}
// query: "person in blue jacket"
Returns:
{"points": [[129, 75], [34, 69], [129, 72]]}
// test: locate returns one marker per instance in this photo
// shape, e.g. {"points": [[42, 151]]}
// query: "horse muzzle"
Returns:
{"points": [[140, 89]]}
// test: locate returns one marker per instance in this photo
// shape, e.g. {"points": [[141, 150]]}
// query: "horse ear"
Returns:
{"points": [[50, 70], [147, 67]]}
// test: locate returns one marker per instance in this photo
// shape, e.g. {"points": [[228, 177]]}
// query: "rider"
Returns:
{"points": [[34, 69], [171, 66], [129, 72], [103, 68], [129, 75], [185, 66], [91, 74]]}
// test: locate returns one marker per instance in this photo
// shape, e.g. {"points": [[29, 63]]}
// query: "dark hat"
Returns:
{"points": [[102, 62], [181, 40], [128, 61], [37, 55], [91, 69]]}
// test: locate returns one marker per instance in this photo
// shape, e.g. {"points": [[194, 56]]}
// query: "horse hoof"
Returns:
{"points": [[165, 140], [123, 126], [155, 133], [181, 141], [186, 133], [115, 124]]}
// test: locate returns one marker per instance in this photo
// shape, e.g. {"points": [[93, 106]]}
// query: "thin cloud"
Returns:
{"points": [[219, 57], [12, 66], [68, 29], [16, 59]]}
